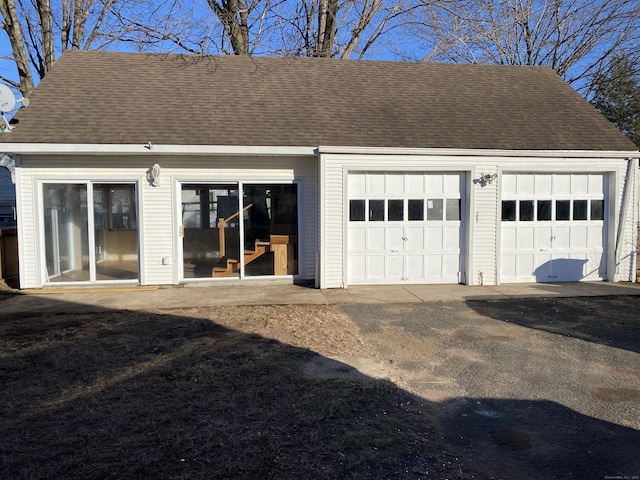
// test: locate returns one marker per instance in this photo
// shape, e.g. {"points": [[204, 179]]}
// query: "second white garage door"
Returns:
{"points": [[405, 227], [553, 227]]}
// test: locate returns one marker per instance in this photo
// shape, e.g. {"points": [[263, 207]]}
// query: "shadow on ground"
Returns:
{"points": [[610, 321], [524, 388], [522, 439], [120, 394]]}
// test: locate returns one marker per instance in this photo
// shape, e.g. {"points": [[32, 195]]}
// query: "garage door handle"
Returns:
{"points": [[395, 251]]}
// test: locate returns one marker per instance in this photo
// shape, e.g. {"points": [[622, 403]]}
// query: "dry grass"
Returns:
{"points": [[201, 393]]}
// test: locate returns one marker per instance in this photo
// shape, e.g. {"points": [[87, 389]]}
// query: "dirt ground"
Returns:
{"points": [[524, 389], [509, 389]]}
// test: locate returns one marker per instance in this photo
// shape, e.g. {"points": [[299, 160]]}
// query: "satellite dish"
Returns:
{"points": [[7, 99]]}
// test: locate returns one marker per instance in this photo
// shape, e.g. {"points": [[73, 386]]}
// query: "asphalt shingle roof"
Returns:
{"points": [[132, 98]]}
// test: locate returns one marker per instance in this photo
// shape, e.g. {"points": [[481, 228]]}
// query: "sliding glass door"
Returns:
{"points": [[90, 232], [231, 230], [116, 231], [211, 230], [66, 231], [270, 229]]}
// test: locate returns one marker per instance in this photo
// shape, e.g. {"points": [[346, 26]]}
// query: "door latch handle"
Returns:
{"points": [[405, 239]]}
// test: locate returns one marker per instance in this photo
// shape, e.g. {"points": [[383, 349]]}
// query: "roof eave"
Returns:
{"points": [[460, 152], [267, 150], [151, 149]]}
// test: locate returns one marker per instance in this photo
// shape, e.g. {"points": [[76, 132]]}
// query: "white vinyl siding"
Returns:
{"points": [[625, 268], [483, 213], [159, 232], [301, 170], [484, 218], [337, 168], [322, 222]]}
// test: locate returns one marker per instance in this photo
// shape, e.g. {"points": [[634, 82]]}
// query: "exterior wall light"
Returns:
{"points": [[153, 175], [486, 179]]}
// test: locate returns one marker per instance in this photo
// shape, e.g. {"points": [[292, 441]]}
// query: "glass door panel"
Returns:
{"points": [[115, 231], [270, 229], [66, 228], [211, 230]]}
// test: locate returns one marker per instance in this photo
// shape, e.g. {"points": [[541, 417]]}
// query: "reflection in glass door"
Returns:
{"points": [[73, 255], [220, 239], [115, 231], [66, 232], [211, 230], [270, 229]]}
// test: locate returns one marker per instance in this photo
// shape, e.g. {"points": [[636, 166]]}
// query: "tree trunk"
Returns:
{"points": [[80, 15], [46, 26], [327, 14], [234, 17], [16, 37]]}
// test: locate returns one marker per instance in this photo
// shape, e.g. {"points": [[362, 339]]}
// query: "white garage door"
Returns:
{"points": [[553, 227], [405, 227]]}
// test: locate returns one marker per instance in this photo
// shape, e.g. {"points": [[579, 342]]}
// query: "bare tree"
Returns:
{"points": [[13, 27], [576, 38], [320, 28], [194, 26], [34, 27], [330, 28], [234, 16]]}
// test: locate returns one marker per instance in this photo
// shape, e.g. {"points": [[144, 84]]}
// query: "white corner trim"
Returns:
{"points": [[470, 152], [150, 148]]}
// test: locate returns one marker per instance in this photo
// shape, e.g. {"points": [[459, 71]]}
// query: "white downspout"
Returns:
{"points": [[320, 281]]}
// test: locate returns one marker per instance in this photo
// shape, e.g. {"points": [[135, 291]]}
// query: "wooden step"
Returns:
{"points": [[231, 268], [233, 265]]}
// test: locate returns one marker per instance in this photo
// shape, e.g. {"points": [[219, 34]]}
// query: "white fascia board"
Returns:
{"points": [[151, 149], [470, 152]]}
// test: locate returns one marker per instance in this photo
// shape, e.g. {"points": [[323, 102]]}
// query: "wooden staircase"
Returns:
{"points": [[232, 266]]}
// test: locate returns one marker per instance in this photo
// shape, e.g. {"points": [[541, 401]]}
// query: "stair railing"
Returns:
{"points": [[221, 224]]}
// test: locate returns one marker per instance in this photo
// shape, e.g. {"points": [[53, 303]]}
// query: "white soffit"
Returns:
{"points": [[478, 152], [152, 149]]}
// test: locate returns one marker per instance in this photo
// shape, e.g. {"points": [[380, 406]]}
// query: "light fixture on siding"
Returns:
{"points": [[153, 175], [486, 179]]}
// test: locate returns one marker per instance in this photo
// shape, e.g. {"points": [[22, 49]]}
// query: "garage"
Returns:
{"points": [[405, 227], [553, 227]]}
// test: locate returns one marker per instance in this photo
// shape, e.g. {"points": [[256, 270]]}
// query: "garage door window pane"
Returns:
{"points": [[453, 209], [526, 210], [434, 209], [580, 209], [563, 210], [597, 209], [395, 210], [356, 210], [376, 210], [416, 210], [508, 210], [544, 210]]}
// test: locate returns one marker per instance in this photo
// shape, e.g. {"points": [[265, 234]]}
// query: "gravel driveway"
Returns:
{"points": [[526, 389]]}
